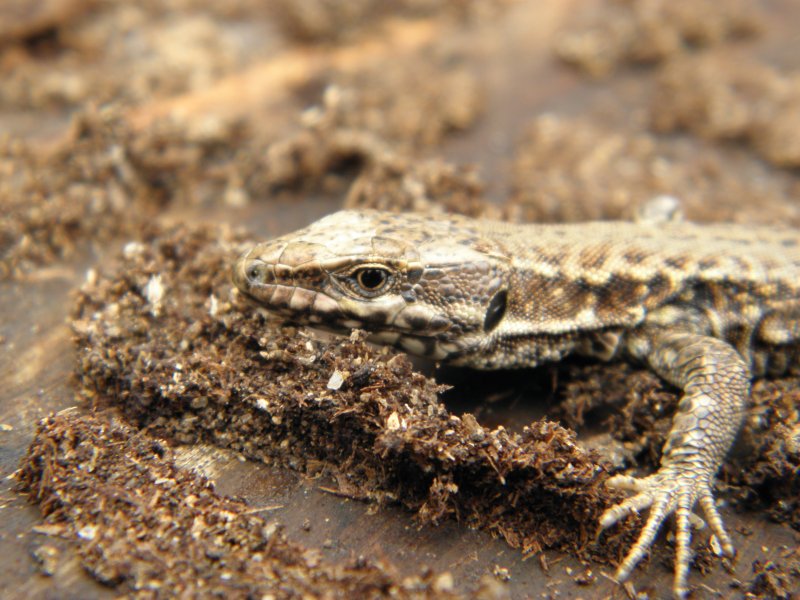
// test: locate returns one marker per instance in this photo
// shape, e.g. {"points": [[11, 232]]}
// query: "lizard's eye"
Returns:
{"points": [[366, 281], [372, 280]]}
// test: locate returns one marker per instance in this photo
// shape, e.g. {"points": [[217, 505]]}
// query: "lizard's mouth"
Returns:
{"points": [[319, 310]]}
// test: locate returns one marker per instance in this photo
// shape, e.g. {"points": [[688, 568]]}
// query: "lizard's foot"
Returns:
{"points": [[670, 490]]}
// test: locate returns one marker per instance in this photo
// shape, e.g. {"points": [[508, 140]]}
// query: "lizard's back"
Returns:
{"points": [[738, 283]]}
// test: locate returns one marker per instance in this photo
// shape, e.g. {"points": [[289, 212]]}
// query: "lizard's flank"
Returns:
{"points": [[706, 307]]}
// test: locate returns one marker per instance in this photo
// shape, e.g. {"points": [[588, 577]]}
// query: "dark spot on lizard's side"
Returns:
{"points": [[677, 262], [612, 300], [700, 295], [742, 265], [707, 263], [593, 258], [789, 242], [738, 336], [635, 256]]}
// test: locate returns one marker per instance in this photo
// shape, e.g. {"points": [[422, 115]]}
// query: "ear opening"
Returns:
{"points": [[496, 310]]}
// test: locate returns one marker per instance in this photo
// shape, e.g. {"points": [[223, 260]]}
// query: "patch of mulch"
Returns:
{"points": [[151, 529], [400, 184], [574, 169], [766, 470], [23, 20], [63, 54], [630, 32], [321, 21], [104, 180], [373, 118], [724, 97], [86, 188], [775, 579]]}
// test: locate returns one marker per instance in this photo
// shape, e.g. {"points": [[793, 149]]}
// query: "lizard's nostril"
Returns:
{"points": [[254, 272]]}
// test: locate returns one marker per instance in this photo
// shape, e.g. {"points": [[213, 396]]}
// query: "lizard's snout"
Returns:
{"points": [[250, 272]]}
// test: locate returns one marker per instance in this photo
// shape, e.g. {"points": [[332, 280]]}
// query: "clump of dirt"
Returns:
{"points": [[166, 339], [85, 189], [767, 473], [151, 529], [373, 117], [634, 32], [23, 20], [122, 53], [774, 580], [399, 184], [633, 403], [573, 169], [332, 21], [104, 180], [722, 97], [413, 103]]}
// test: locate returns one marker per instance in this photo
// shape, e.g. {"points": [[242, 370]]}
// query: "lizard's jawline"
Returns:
{"points": [[299, 305], [296, 303], [429, 348]]}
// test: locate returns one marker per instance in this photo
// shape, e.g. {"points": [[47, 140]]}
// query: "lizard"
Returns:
{"points": [[706, 307]]}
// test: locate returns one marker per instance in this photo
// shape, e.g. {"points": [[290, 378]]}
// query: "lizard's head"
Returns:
{"points": [[434, 288]]}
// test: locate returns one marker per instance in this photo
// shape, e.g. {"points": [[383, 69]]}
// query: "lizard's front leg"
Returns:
{"points": [[716, 384]]}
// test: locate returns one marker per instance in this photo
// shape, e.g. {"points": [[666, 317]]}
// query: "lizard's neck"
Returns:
{"points": [[549, 317]]}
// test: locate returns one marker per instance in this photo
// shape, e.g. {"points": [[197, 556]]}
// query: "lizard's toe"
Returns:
{"points": [[714, 519], [666, 492], [659, 510], [631, 505]]}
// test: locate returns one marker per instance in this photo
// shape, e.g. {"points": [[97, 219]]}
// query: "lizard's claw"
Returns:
{"points": [[671, 490]]}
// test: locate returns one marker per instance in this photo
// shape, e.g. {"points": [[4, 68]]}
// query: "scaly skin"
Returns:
{"points": [[707, 307]]}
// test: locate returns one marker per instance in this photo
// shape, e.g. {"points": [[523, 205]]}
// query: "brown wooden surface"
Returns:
{"points": [[37, 356]]}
